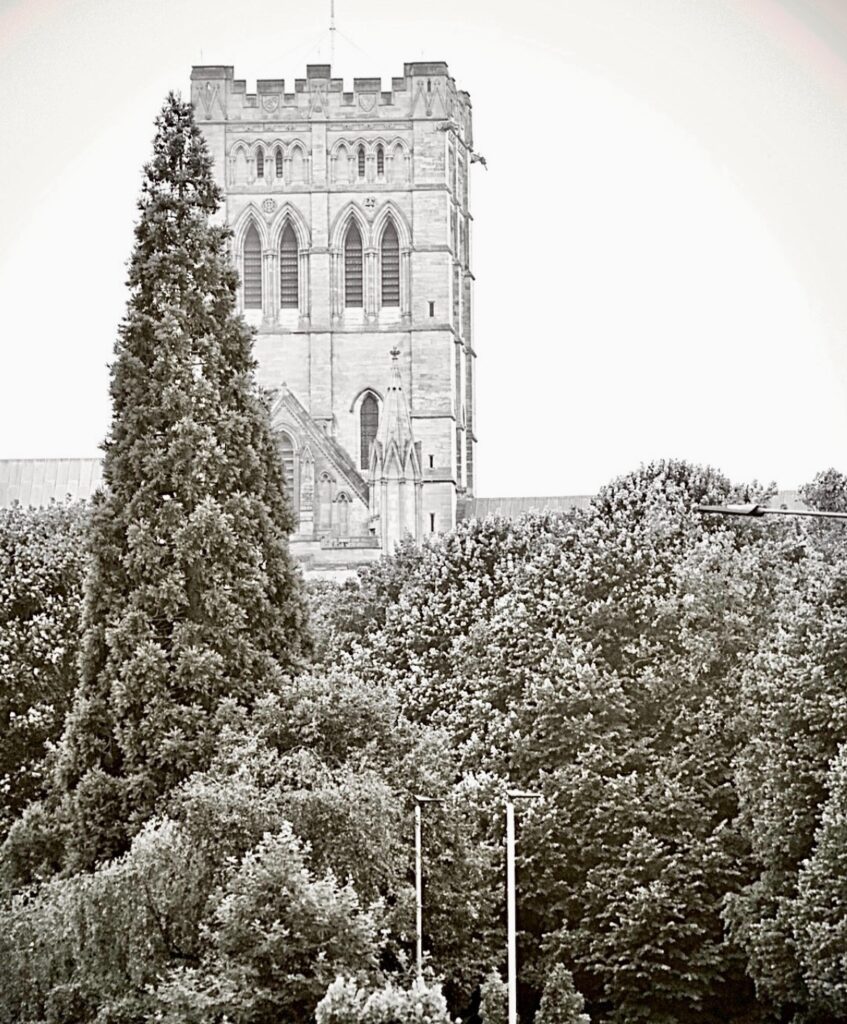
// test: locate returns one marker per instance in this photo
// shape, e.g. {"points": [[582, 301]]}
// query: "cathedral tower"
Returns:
{"points": [[351, 233]]}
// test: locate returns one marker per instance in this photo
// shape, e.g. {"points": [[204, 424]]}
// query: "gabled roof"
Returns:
{"points": [[319, 439]]}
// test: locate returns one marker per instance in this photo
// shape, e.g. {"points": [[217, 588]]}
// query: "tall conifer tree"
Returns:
{"points": [[192, 595]]}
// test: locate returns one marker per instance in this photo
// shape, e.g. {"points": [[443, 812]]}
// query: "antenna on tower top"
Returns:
{"points": [[331, 32]]}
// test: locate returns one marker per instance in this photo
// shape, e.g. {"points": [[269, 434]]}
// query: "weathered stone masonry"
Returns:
{"points": [[351, 230]]}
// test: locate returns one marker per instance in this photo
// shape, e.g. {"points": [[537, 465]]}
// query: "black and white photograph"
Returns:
{"points": [[423, 512]]}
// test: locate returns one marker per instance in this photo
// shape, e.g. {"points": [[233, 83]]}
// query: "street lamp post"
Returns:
{"points": [[419, 800], [511, 909]]}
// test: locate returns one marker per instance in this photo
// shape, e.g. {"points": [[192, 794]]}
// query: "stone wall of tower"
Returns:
{"points": [[415, 143]]}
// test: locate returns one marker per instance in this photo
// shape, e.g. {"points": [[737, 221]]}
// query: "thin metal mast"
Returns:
{"points": [[331, 32]]}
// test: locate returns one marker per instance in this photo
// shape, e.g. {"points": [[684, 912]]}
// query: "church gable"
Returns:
{"points": [[328, 494]]}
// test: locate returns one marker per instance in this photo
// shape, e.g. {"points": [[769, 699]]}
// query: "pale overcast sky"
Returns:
{"points": [[660, 239]]}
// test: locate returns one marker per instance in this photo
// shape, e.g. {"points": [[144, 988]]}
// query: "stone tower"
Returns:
{"points": [[351, 233]]}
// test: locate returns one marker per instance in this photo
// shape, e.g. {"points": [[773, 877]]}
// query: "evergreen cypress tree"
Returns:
{"points": [[192, 594]]}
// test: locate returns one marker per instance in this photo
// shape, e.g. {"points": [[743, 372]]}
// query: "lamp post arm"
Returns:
{"points": [[757, 511]]}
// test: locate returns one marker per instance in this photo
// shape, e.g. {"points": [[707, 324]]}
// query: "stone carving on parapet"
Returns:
{"points": [[208, 94], [317, 104]]}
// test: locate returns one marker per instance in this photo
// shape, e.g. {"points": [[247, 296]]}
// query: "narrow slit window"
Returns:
{"points": [[286, 451], [380, 161], [260, 163], [353, 290], [432, 309], [369, 421], [390, 266], [432, 522], [289, 293], [252, 269], [278, 162], [361, 161]]}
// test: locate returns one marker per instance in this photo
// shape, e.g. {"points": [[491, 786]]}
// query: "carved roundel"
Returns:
{"points": [[269, 205]]}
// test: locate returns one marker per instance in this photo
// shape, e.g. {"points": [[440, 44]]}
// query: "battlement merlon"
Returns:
{"points": [[426, 91]]}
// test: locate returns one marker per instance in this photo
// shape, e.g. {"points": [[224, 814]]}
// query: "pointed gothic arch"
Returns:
{"points": [[390, 211], [354, 267], [287, 448], [239, 164], [289, 214], [368, 427], [289, 269], [351, 211], [297, 163], [251, 269], [249, 215], [389, 266], [393, 240]]}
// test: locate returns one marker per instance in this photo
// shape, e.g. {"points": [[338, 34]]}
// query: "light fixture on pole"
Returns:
{"points": [[511, 915], [419, 800], [752, 510]]}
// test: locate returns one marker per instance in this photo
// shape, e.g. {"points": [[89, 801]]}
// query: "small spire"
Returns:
{"points": [[395, 352]]}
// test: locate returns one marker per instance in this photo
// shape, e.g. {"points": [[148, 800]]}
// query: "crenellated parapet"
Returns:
{"points": [[424, 91]]}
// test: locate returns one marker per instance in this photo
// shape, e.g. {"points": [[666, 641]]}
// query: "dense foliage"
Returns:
{"points": [[42, 567], [192, 595], [224, 832]]}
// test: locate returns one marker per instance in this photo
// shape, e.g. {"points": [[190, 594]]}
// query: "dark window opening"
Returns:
{"points": [[432, 522], [279, 163], [252, 269], [286, 451], [380, 161], [390, 267], [369, 424], [432, 309], [431, 461], [361, 161], [260, 163], [353, 289], [289, 297]]}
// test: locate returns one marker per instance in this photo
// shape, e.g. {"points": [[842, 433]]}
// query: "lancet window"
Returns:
{"points": [[369, 425], [251, 271], [289, 280], [390, 262], [353, 290]]}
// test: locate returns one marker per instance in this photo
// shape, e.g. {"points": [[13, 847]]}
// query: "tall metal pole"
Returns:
{"points": [[511, 900], [511, 914], [331, 32], [419, 885]]}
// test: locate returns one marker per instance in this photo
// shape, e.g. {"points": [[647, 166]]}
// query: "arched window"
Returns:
{"points": [[298, 165], [390, 266], [260, 163], [324, 502], [369, 425], [278, 159], [342, 522], [286, 452], [289, 292], [353, 292], [380, 161], [361, 161], [342, 164], [252, 269]]}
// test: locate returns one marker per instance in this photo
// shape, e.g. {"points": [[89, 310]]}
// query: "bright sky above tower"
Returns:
{"points": [[660, 239]]}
